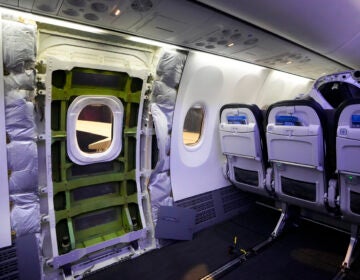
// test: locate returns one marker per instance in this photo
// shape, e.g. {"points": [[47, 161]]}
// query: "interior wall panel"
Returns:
{"points": [[280, 86], [212, 81]]}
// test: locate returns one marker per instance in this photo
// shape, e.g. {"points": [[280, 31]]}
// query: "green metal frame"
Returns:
{"points": [[121, 174]]}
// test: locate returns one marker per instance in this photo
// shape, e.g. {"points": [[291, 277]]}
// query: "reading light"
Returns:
{"points": [[117, 12], [230, 45], [289, 62]]}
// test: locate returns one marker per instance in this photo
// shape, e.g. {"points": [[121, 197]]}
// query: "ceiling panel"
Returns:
{"points": [[196, 26], [25, 4], [14, 3], [51, 7], [349, 53], [322, 25], [161, 27]]}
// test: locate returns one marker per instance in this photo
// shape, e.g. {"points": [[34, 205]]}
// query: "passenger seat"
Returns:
{"points": [[296, 150], [348, 158], [243, 143]]}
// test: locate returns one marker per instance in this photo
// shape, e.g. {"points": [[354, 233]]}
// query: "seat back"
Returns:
{"points": [[295, 143], [348, 158], [243, 142]]}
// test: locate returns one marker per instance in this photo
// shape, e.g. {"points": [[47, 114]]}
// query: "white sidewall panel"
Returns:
{"points": [[213, 81]]}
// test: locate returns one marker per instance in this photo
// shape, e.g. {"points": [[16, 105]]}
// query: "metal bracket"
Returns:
{"points": [[41, 137], [43, 189], [330, 198], [147, 131], [269, 180], [353, 240]]}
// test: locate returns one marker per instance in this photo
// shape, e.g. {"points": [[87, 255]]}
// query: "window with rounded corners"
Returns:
{"points": [[94, 129], [193, 125]]}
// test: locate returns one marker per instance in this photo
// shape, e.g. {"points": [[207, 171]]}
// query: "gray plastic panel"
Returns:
{"points": [[175, 223]]}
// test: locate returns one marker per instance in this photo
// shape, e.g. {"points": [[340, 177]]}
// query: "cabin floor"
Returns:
{"points": [[304, 251]]}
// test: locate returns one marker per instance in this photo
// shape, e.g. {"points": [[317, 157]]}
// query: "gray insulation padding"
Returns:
{"points": [[163, 100], [160, 189], [19, 45], [161, 130], [19, 115], [25, 213], [19, 51], [164, 97], [162, 94], [13, 95], [170, 68], [23, 163], [25, 80]]}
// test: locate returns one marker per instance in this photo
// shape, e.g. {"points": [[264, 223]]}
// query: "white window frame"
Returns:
{"points": [[75, 153], [196, 145]]}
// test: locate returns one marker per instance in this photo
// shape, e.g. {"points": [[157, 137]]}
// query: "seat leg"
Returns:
{"points": [[280, 225], [353, 240]]}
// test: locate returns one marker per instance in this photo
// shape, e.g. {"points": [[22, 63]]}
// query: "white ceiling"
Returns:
{"points": [[326, 28]]}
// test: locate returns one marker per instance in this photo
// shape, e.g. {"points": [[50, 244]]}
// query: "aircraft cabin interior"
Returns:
{"points": [[179, 139]]}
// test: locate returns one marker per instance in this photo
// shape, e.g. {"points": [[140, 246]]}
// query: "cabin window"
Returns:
{"points": [[193, 125], [94, 129]]}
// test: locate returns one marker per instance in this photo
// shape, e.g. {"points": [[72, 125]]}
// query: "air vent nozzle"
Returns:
{"points": [[356, 75], [141, 5]]}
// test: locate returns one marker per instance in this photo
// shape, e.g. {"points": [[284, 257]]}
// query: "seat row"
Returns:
{"points": [[296, 152], [299, 154]]}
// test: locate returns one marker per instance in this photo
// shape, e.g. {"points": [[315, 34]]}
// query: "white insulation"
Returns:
{"points": [[23, 163], [19, 51], [25, 213], [19, 46], [19, 116], [164, 92], [25, 80]]}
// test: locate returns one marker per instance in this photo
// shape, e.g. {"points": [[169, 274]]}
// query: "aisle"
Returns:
{"points": [[309, 251], [195, 259]]}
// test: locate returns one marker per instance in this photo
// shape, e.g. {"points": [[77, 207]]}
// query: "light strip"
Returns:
{"points": [[152, 42], [53, 21], [77, 26]]}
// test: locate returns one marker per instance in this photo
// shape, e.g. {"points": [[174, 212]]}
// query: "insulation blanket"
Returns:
{"points": [[23, 164], [13, 96], [160, 189], [19, 115], [25, 214], [24, 80], [161, 130], [163, 100], [162, 94], [19, 47], [170, 68]]}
